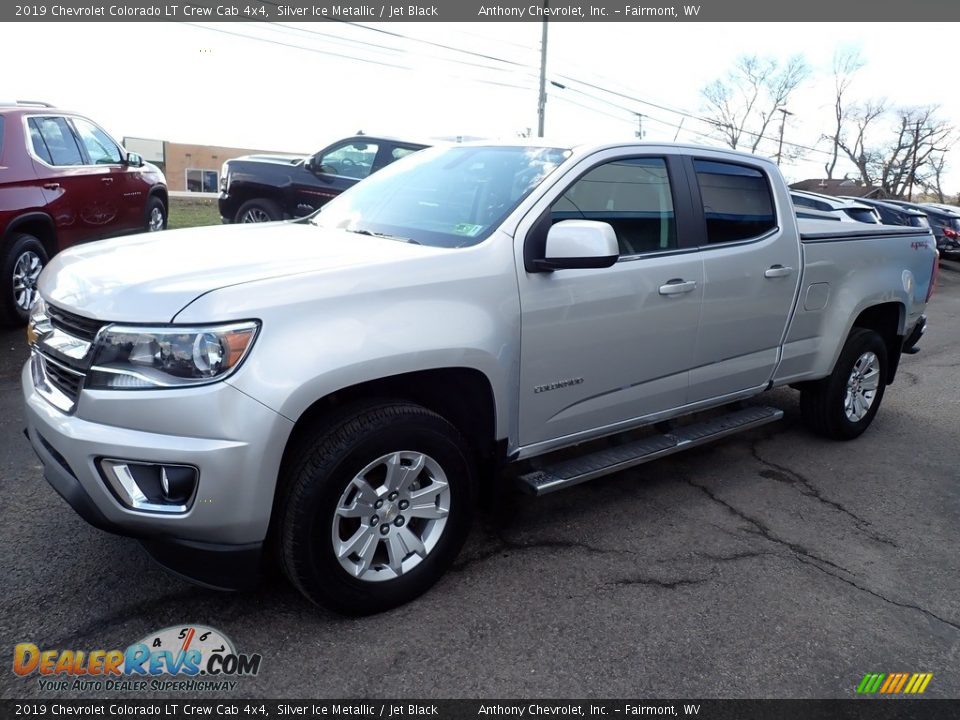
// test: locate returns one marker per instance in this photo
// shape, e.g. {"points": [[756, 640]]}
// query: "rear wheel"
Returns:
{"points": [[20, 268], [376, 509], [259, 210], [844, 404]]}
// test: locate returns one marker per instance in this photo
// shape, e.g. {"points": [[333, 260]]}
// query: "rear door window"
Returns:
{"points": [[737, 202], [58, 140]]}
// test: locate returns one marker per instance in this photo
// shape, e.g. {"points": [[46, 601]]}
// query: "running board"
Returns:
{"points": [[574, 471]]}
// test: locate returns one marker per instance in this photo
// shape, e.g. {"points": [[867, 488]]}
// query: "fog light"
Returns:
{"points": [[151, 487]]}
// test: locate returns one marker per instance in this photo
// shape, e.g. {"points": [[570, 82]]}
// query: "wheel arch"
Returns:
{"points": [[38, 224], [159, 191], [887, 320], [463, 396]]}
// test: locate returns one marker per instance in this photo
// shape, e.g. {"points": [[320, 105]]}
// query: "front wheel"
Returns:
{"points": [[376, 509], [156, 215], [258, 211], [20, 268], [842, 405]]}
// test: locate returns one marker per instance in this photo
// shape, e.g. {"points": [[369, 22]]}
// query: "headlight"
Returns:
{"points": [[134, 358]]}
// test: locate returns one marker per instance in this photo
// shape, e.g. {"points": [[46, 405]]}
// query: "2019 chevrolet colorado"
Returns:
{"points": [[331, 393]]}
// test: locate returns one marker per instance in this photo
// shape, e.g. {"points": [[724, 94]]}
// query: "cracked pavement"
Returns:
{"points": [[770, 564]]}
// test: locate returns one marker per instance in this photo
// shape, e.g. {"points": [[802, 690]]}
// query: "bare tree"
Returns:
{"points": [[862, 118], [742, 105], [846, 63], [915, 141], [933, 182]]}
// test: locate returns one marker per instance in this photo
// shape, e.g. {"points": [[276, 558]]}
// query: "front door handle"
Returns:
{"points": [[106, 180], [775, 271], [51, 186], [678, 286]]}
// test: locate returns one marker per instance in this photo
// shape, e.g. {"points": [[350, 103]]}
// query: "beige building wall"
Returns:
{"points": [[197, 167]]}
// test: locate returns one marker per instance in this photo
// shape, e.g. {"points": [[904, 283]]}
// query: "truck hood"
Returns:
{"points": [[272, 159], [151, 277]]}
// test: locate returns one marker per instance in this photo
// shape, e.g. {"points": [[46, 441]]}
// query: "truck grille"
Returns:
{"points": [[73, 324], [58, 372], [66, 381]]}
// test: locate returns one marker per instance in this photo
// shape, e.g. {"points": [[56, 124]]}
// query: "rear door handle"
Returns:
{"points": [[51, 186], [106, 180], [678, 286], [775, 271]]}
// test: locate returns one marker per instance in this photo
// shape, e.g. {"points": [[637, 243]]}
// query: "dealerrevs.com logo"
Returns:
{"points": [[187, 658]]}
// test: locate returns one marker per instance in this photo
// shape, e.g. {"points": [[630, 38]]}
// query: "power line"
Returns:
{"points": [[286, 29], [685, 113], [340, 55]]}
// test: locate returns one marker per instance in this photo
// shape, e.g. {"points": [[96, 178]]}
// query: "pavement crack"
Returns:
{"points": [[658, 583], [788, 476], [884, 598], [758, 528], [745, 555], [806, 557], [504, 545]]}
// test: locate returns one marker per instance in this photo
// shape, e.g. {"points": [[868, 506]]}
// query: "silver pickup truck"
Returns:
{"points": [[332, 393]]}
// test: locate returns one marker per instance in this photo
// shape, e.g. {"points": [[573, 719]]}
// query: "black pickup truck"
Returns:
{"points": [[261, 188]]}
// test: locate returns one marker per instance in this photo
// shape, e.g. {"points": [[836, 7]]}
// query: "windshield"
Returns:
{"points": [[444, 197]]}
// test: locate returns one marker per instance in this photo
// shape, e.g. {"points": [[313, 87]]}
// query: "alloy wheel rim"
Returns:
{"points": [[391, 516], [156, 220], [862, 387], [255, 215], [26, 270]]}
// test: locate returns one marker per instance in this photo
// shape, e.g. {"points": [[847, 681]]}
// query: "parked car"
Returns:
{"points": [[843, 209], [892, 214], [262, 188], [944, 223], [344, 384], [63, 181]]}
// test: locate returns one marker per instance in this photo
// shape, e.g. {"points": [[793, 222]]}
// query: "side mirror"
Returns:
{"points": [[134, 160], [573, 244]]}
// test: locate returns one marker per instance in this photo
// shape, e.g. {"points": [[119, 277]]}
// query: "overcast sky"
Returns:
{"points": [[296, 87]]}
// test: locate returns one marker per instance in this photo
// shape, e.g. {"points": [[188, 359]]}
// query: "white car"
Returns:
{"points": [[826, 207]]}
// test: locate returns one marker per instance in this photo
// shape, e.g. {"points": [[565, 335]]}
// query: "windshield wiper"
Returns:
{"points": [[387, 236]]}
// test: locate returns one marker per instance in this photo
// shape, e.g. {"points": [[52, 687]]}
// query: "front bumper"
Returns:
{"points": [[234, 441]]}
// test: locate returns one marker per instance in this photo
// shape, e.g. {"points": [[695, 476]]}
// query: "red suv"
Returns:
{"points": [[63, 180]]}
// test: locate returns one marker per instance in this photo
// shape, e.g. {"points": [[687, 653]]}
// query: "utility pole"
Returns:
{"points": [[913, 163], [542, 107], [783, 120], [640, 126]]}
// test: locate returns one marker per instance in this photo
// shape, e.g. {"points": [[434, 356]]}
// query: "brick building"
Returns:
{"points": [[190, 168]]}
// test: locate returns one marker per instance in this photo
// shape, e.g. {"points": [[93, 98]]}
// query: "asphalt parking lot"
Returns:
{"points": [[773, 564]]}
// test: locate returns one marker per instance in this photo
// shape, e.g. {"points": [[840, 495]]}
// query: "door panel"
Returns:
{"points": [[751, 270], [604, 346], [616, 347], [77, 199]]}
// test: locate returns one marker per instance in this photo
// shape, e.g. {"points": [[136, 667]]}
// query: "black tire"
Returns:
{"points": [[262, 208], [19, 248], [822, 402], [152, 222], [316, 483]]}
